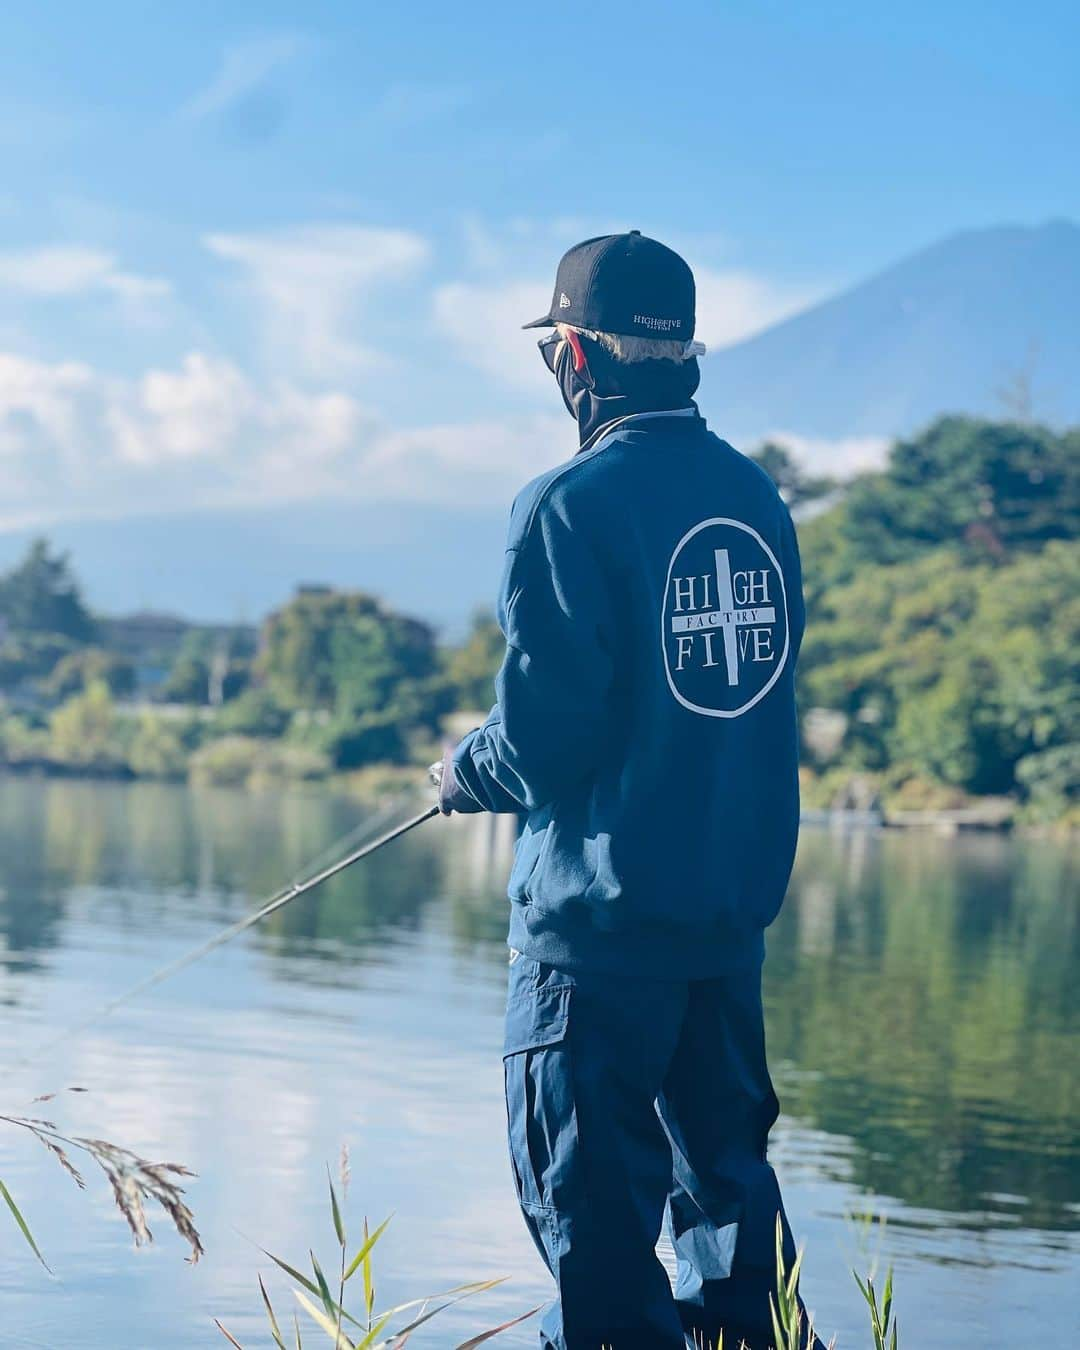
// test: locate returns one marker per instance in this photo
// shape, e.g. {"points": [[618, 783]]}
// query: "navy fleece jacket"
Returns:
{"points": [[645, 723]]}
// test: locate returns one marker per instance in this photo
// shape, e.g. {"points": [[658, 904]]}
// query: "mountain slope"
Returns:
{"points": [[944, 330], [947, 329], [438, 563]]}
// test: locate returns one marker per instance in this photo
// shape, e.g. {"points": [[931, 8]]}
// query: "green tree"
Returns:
{"points": [[990, 488], [255, 712], [160, 747], [27, 657], [41, 595], [85, 732], [471, 667], [207, 664], [796, 487], [344, 651], [81, 668], [187, 682]]}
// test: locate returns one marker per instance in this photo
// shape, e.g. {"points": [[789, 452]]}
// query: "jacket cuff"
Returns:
{"points": [[453, 795]]}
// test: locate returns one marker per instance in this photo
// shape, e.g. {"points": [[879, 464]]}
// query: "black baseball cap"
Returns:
{"points": [[623, 283]]}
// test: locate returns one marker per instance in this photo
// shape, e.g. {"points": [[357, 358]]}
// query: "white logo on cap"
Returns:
{"points": [[564, 300]]}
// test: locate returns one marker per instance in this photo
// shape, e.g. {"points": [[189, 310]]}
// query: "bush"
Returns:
{"points": [[21, 742], [240, 761], [284, 763], [160, 747], [78, 670], [31, 656], [85, 733], [254, 713], [1051, 781], [227, 762], [352, 743]]}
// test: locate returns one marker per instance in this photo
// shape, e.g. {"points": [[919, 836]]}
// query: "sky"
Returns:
{"points": [[262, 253]]}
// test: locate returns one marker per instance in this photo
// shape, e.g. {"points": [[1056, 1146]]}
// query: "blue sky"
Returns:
{"points": [[264, 252]]}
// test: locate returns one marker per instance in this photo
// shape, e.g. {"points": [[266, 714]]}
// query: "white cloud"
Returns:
{"points": [[75, 443], [313, 281], [467, 463], [243, 70], [485, 318], [485, 323], [733, 305], [70, 269], [839, 457]]}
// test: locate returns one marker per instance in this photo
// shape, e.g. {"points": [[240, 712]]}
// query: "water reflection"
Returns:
{"points": [[920, 996], [922, 1004]]}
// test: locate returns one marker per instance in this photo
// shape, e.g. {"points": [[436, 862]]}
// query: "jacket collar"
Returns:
{"points": [[609, 429]]}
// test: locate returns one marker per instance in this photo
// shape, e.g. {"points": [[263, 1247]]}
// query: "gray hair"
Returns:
{"points": [[633, 349]]}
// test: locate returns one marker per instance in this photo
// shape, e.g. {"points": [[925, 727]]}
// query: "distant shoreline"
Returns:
{"points": [[985, 815]]}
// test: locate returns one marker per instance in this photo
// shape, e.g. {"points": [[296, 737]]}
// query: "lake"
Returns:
{"points": [[923, 1029]]}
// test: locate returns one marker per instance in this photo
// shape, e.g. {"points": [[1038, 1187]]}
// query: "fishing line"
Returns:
{"points": [[276, 902], [361, 833]]}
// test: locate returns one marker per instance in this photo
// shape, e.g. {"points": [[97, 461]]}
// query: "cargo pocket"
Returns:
{"points": [[540, 1115]]}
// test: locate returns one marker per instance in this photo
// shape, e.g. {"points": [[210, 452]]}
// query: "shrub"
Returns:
{"points": [[85, 733], [1051, 781], [255, 712], [159, 748], [78, 670], [239, 761], [21, 742]]}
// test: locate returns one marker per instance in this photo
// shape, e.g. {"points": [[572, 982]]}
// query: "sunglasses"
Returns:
{"points": [[549, 350], [549, 347]]}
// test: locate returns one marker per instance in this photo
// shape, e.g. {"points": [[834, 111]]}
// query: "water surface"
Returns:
{"points": [[923, 1031]]}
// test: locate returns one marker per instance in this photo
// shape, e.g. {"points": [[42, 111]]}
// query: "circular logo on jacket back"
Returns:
{"points": [[724, 624]]}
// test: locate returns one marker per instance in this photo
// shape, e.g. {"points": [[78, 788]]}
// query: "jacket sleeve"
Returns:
{"points": [[792, 565], [552, 719]]}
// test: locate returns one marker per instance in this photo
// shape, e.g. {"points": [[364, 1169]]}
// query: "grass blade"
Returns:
{"points": [[324, 1288], [23, 1228], [340, 1340], [365, 1250], [368, 1343], [228, 1336], [487, 1335], [275, 1330], [335, 1210], [292, 1273], [365, 1270], [462, 1290]]}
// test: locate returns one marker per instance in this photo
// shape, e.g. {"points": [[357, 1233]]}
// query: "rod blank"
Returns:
{"points": [[283, 898]]}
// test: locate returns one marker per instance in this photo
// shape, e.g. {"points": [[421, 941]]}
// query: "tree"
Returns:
{"points": [[84, 732], [210, 666], [471, 667], [159, 748], [343, 651], [187, 682], [794, 485], [76, 671], [40, 595], [988, 488]]}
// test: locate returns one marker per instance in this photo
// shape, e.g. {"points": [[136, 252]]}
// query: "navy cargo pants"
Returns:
{"points": [[625, 1096]]}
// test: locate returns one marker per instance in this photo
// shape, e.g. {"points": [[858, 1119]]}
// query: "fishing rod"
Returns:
{"points": [[279, 901]]}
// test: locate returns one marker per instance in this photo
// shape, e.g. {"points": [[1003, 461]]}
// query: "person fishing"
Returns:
{"points": [[645, 727]]}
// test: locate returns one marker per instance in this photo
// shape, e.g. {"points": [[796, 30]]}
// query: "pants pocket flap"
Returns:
{"points": [[537, 1019]]}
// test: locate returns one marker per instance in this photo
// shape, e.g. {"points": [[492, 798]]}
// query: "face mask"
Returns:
{"points": [[605, 389]]}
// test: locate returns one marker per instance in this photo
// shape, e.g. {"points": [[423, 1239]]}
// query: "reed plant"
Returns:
{"points": [[134, 1180], [369, 1327]]}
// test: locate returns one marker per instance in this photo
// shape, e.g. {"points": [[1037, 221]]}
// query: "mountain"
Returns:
{"points": [[976, 323], [967, 325], [438, 563]]}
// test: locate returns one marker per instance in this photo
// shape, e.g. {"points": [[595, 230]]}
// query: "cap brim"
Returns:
{"points": [[546, 322]]}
